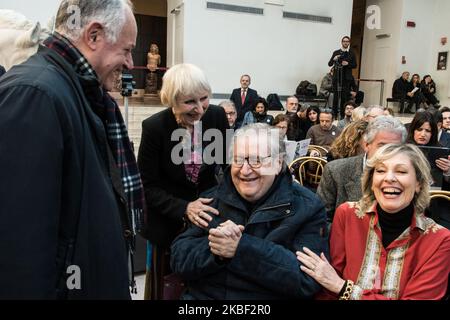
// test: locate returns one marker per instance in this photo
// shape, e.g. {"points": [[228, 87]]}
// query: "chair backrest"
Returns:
{"points": [[314, 150], [308, 171], [439, 209]]}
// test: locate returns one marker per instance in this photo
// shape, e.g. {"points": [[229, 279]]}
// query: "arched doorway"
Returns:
{"points": [[151, 18]]}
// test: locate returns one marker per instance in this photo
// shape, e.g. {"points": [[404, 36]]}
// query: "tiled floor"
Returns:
{"points": [[140, 283]]}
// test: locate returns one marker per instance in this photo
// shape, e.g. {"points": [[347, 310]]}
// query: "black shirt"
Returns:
{"points": [[393, 224]]}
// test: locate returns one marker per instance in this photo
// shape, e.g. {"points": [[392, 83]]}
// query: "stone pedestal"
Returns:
{"points": [[152, 98]]}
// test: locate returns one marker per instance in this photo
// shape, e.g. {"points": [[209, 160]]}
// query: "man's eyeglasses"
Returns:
{"points": [[253, 162], [230, 114]]}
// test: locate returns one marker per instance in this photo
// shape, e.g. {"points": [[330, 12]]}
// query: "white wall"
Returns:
{"points": [[441, 20], [415, 43], [33, 10], [382, 58], [278, 53], [175, 32]]}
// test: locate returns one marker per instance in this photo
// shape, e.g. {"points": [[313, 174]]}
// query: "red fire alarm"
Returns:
{"points": [[403, 60], [410, 24]]}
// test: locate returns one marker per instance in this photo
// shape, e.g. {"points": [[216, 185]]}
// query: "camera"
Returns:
{"points": [[344, 56], [127, 85]]}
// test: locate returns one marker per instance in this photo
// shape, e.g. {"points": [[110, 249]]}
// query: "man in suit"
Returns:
{"points": [[344, 61], [243, 98], [443, 135], [402, 90], [337, 184], [445, 118]]}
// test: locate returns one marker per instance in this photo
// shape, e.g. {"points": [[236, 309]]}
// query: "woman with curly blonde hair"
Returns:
{"points": [[348, 144], [384, 247]]}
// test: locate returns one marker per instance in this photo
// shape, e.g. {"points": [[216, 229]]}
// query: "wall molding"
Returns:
{"points": [[307, 17], [233, 8]]}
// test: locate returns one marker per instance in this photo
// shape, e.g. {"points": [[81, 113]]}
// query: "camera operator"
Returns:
{"points": [[344, 61]]}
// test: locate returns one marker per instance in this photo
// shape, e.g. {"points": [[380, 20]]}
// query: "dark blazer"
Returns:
{"points": [[445, 139], [341, 182], [400, 88], [54, 175], [264, 267], [167, 190], [251, 96], [346, 70]]}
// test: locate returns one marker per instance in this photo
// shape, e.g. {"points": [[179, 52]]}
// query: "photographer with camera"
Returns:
{"points": [[344, 61]]}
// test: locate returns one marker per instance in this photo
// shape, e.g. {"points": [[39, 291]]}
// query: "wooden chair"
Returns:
{"points": [[308, 171], [313, 150], [439, 209]]}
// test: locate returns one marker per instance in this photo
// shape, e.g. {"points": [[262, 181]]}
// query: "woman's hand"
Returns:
{"points": [[444, 165], [320, 270], [196, 212]]}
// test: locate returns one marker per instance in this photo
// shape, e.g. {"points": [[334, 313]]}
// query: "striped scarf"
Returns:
{"points": [[116, 130]]}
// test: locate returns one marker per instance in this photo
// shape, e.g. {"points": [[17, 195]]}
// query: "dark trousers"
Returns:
{"points": [[339, 108], [154, 277]]}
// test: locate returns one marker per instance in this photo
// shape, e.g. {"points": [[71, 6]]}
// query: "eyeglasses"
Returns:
{"points": [[230, 114], [253, 162]]}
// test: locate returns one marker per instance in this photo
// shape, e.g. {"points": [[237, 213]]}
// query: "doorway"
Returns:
{"points": [[357, 33], [151, 19]]}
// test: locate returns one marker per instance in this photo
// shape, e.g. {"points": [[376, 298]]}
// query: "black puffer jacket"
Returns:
{"points": [[265, 265]]}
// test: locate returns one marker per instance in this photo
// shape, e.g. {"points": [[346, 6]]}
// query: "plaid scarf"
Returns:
{"points": [[116, 130]]}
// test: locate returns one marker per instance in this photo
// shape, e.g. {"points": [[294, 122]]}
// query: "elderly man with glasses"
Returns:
{"points": [[248, 250]]}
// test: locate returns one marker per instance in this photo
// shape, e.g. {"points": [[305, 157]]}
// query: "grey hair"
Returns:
{"points": [[374, 107], [111, 14], [275, 140], [227, 103], [384, 123], [421, 166]]}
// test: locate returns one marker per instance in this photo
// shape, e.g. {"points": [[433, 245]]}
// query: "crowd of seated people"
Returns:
{"points": [[256, 234], [415, 92]]}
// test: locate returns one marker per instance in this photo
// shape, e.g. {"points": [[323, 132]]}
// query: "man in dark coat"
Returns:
{"points": [[248, 250], [65, 230], [243, 98], [402, 90], [343, 60]]}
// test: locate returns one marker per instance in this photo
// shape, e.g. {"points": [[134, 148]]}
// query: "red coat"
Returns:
{"points": [[414, 266]]}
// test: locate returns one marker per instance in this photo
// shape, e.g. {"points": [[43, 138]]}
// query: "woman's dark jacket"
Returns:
{"points": [[56, 194], [167, 190], [265, 265]]}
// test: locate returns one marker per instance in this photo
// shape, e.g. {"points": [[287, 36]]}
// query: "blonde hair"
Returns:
{"points": [[347, 144], [183, 79], [421, 166], [359, 113]]}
